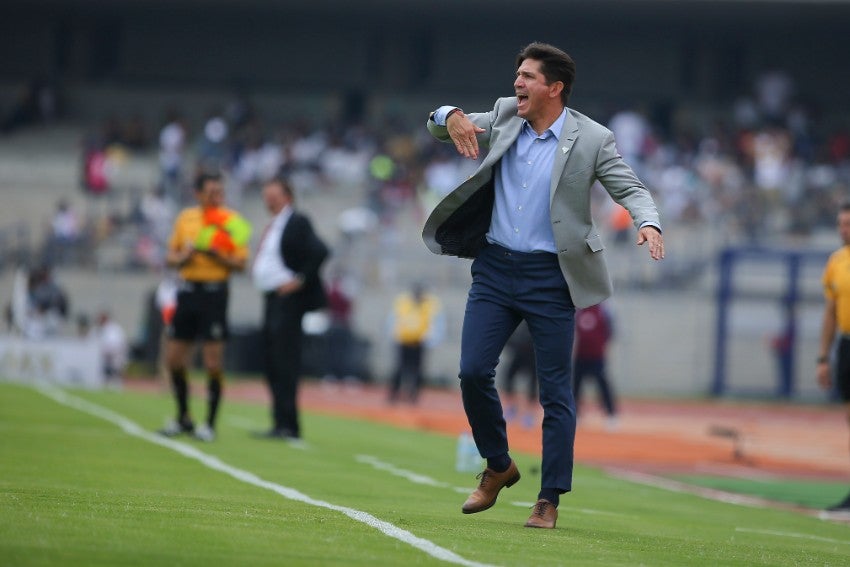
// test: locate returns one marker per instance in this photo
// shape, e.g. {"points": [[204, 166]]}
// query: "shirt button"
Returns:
{"points": [[516, 230], [525, 185], [529, 163], [519, 208]]}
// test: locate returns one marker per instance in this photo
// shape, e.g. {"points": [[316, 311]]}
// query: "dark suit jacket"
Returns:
{"points": [[303, 252]]}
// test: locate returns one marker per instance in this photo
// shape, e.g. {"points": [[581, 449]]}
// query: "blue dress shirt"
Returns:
{"points": [[521, 219]]}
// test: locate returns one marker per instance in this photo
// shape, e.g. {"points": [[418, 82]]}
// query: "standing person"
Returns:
{"points": [[113, 346], [522, 346], [836, 320], [524, 216], [339, 336], [416, 324], [286, 271], [204, 266], [594, 329]]}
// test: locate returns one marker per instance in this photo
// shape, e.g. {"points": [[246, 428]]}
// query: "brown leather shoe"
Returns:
{"points": [[544, 515], [488, 489]]}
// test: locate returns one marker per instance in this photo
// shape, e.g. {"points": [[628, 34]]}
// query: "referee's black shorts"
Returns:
{"points": [[842, 370], [201, 312]]}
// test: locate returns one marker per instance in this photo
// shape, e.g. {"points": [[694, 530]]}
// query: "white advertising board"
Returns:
{"points": [[61, 361]]}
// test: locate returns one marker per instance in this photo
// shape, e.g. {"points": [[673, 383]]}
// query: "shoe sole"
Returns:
{"points": [[508, 484], [552, 527]]}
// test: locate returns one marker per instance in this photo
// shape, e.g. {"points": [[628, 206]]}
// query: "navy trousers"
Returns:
{"points": [[509, 286]]}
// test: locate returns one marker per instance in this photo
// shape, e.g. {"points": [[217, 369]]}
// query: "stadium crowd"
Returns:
{"points": [[769, 168]]}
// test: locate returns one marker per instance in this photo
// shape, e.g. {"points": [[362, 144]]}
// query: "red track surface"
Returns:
{"points": [[652, 436]]}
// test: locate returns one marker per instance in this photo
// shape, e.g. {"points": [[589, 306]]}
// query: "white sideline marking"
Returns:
{"points": [[717, 495], [413, 477], [209, 461], [792, 534], [676, 486]]}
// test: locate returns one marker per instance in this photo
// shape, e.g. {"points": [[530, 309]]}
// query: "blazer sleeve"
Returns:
{"points": [[621, 182], [483, 120]]}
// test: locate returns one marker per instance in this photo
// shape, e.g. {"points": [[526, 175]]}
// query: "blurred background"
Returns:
{"points": [[734, 113]]}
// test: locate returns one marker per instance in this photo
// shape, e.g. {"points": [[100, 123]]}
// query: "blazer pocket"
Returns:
{"points": [[577, 175], [595, 243]]}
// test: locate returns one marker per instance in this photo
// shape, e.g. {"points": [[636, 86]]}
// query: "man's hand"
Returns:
{"points": [[291, 286], [463, 133], [653, 236], [181, 257], [229, 262], [824, 375]]}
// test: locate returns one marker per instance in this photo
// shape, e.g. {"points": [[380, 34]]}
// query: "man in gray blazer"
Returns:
{"points": [[524, 216]]}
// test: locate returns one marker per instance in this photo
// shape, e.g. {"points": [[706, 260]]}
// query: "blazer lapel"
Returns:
{"points": [[508, 135], [569, 134]]}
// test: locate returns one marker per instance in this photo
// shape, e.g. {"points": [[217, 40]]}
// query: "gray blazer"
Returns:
{"points": [[587, 153]]}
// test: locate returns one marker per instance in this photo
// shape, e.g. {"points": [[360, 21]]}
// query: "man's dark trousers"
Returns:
{"points": [[508, 286], [282, 339]]}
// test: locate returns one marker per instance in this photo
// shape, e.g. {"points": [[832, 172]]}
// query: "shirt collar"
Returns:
{"points": [[283, 216], [555, 128]]}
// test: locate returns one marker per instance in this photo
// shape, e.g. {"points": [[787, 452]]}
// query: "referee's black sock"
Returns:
{"points": [[181, 392], [214, 387]]}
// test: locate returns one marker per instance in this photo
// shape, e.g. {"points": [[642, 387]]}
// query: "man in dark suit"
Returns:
{"points": [[286, 270], [525, 217]]}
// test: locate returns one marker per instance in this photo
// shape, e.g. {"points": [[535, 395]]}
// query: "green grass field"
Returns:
{"points": [[78, 489]]}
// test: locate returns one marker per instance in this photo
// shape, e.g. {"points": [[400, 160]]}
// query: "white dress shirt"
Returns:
{"points": [[268, 271]]}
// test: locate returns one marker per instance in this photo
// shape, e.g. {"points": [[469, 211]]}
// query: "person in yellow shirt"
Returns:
{"points": [[208, 243], [416, 324], [836, 321]]}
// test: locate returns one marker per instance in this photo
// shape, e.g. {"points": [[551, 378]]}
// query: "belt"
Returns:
{"points": [[189, 285]]}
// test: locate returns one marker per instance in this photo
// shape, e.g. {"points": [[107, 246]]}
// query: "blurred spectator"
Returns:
{"points": [[774, 89], [156, 215], [66, 235], [632, 131], [96, 167], [417, 323], [340, 337], [113, 347], [47, 305], [440, 177], [172, 142], [213, 142], [594, 329]]}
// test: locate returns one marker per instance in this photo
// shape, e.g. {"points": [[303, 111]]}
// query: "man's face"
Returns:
{"points": [[844, 226], [211, 195], [532, 93], [275, 197]]}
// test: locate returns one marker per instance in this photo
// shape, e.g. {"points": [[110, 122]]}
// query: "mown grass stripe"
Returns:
{"points": [[209, 461]]}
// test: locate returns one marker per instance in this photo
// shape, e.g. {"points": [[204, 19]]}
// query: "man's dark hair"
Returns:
{"points": [[205, 176], [284, 185], [845, 207], [555, 65]]}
